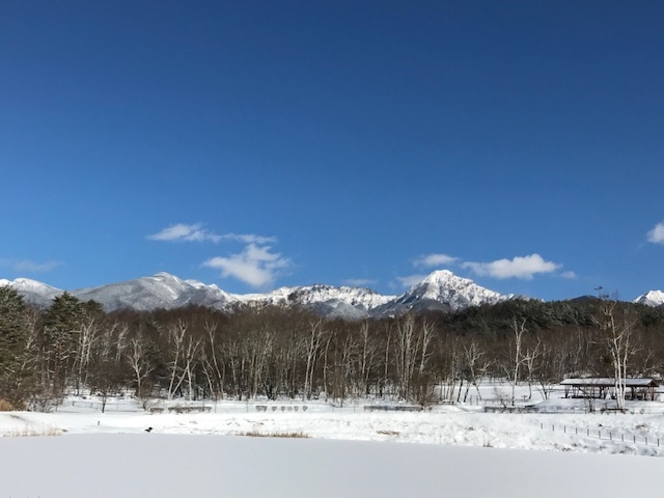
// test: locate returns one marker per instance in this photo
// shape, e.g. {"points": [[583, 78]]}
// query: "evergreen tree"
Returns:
{"points": [[62, 324], [14, 356]]}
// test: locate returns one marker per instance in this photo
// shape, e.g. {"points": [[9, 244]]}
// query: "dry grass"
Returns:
{"points": [[388, 433], [294, 435], [26, 432], [6, 406]]}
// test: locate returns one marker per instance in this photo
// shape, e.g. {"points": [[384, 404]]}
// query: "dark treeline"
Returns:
{"points": [[277, 352]]}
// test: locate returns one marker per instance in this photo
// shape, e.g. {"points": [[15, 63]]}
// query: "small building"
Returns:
{"points": [[642, 389]]}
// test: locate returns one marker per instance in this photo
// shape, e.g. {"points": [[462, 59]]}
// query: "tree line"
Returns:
{"points": [[274, 352]]}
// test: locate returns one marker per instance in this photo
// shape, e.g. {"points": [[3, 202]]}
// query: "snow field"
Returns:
{"points": [[157, 465], [447, 426], [463, 452]]}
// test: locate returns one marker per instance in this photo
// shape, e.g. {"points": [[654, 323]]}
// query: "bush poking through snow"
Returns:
{"points": [[6, 406], [255, 433], [386, 432], [26, 432]]}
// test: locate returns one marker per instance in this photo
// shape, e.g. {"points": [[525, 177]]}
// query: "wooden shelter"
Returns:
{"points": [[643, 389]]}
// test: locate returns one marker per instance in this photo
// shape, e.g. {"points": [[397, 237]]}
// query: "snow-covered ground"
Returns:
{"points": [[154, 465], [633, 434], [462, 451]]}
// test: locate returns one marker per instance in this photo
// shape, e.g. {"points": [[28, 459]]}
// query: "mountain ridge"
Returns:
{"points": [[440, 290]]}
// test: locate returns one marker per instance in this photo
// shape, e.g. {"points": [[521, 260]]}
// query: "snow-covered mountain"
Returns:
{"points": [[440, 290], [158, 291], [651, 298], [353, 303], [33, 292], [360, 297]]}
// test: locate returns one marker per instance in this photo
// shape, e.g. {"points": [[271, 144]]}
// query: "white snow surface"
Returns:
{"points": [[651, 298], [80, 452], [452, 451], [147, 465], [445, 425]]}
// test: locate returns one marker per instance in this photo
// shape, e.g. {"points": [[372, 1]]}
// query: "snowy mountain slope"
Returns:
{"points": [[358, 297], [651, 298], [158, 291], [34, 292], [349, 303], [441, 290]]}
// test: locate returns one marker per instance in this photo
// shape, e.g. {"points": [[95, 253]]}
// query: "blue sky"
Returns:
{"points": [[256, 144]]}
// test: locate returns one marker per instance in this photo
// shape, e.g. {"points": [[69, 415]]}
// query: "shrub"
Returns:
{"points": [[6, 406], [26, 432], [294, 435]]}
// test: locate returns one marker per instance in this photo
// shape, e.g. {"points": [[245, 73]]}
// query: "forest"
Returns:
{"points": [[272, 352]]}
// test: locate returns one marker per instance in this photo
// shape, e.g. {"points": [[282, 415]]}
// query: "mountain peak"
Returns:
{"points": [[450, 290], [441, 276], [31, 285], [651, 298], [165, 275]]}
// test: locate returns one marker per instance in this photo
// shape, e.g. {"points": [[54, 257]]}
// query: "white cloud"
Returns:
{"points": [[256, 265], [358, 282], [523, 267], [570, 275], [248, 238], [184, 232], [431, 260], [410, 280], [656, 235], [26, 265], [196, 233]]}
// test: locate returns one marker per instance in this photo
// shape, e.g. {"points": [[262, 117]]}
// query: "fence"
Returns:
{"points": [[606, 435], [283, 408], [97, 405]]}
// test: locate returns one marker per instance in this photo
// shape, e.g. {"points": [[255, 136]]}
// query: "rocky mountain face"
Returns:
{"points": [[440, 290]]}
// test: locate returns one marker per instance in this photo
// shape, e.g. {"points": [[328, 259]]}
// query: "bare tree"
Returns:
{"points": [[313, 344], [176, 333], [213, 367], [516, 357], [617, 331], [366, 360], [137, 358], [474, 367]]}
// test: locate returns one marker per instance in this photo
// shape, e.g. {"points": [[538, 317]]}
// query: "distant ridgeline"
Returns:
{"points": [[439, 291], [273, 350]]}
